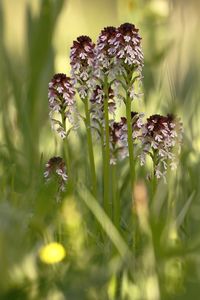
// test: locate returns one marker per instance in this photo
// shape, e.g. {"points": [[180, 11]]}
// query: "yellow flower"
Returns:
{"points": [[52, 253]]}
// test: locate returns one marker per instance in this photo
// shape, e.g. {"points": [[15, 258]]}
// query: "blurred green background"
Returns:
{"points": [[35, 39]]}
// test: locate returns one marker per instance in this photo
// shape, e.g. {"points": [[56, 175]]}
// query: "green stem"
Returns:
{"points": [[116, 200], [106, 152], [66, 148], [131, 162], [118, 285], [103, 153], [130, 140], [103, 235], [154, 179], [60, 227], [154, 186], [90, 148]]}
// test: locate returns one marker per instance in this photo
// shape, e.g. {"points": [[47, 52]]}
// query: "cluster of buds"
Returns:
{"points": [[128, 48], [56, 169], [117, 55], [119, 136], [130, 59], [118, 51], [161, 139], [82, 60], [61, 103]]}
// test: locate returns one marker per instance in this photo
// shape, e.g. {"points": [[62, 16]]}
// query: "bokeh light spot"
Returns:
{"points": [[52, 253]]}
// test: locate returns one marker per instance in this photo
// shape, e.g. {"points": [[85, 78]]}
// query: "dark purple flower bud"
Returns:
{"points": [[61, 91], [128, 44], [162, 137], [82, 64], [61, 102], [56, 169]]}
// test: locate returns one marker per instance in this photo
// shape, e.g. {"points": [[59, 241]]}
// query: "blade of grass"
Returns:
{"points": [[104, 221], [181, 216]]}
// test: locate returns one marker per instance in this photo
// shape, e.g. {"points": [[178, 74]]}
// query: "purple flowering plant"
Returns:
{"points": [[104, 76]]}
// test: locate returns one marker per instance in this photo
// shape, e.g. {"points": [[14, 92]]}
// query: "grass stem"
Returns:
{"points": [[106, 162], [90, 148], [130, 140], [66, 147], [115, 197]]}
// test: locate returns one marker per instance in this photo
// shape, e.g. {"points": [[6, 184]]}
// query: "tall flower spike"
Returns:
{"points": [[105, 53], [82, 64], [129, 59], [161, 139], [56, 169], [128, 46], [61, 103]]}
